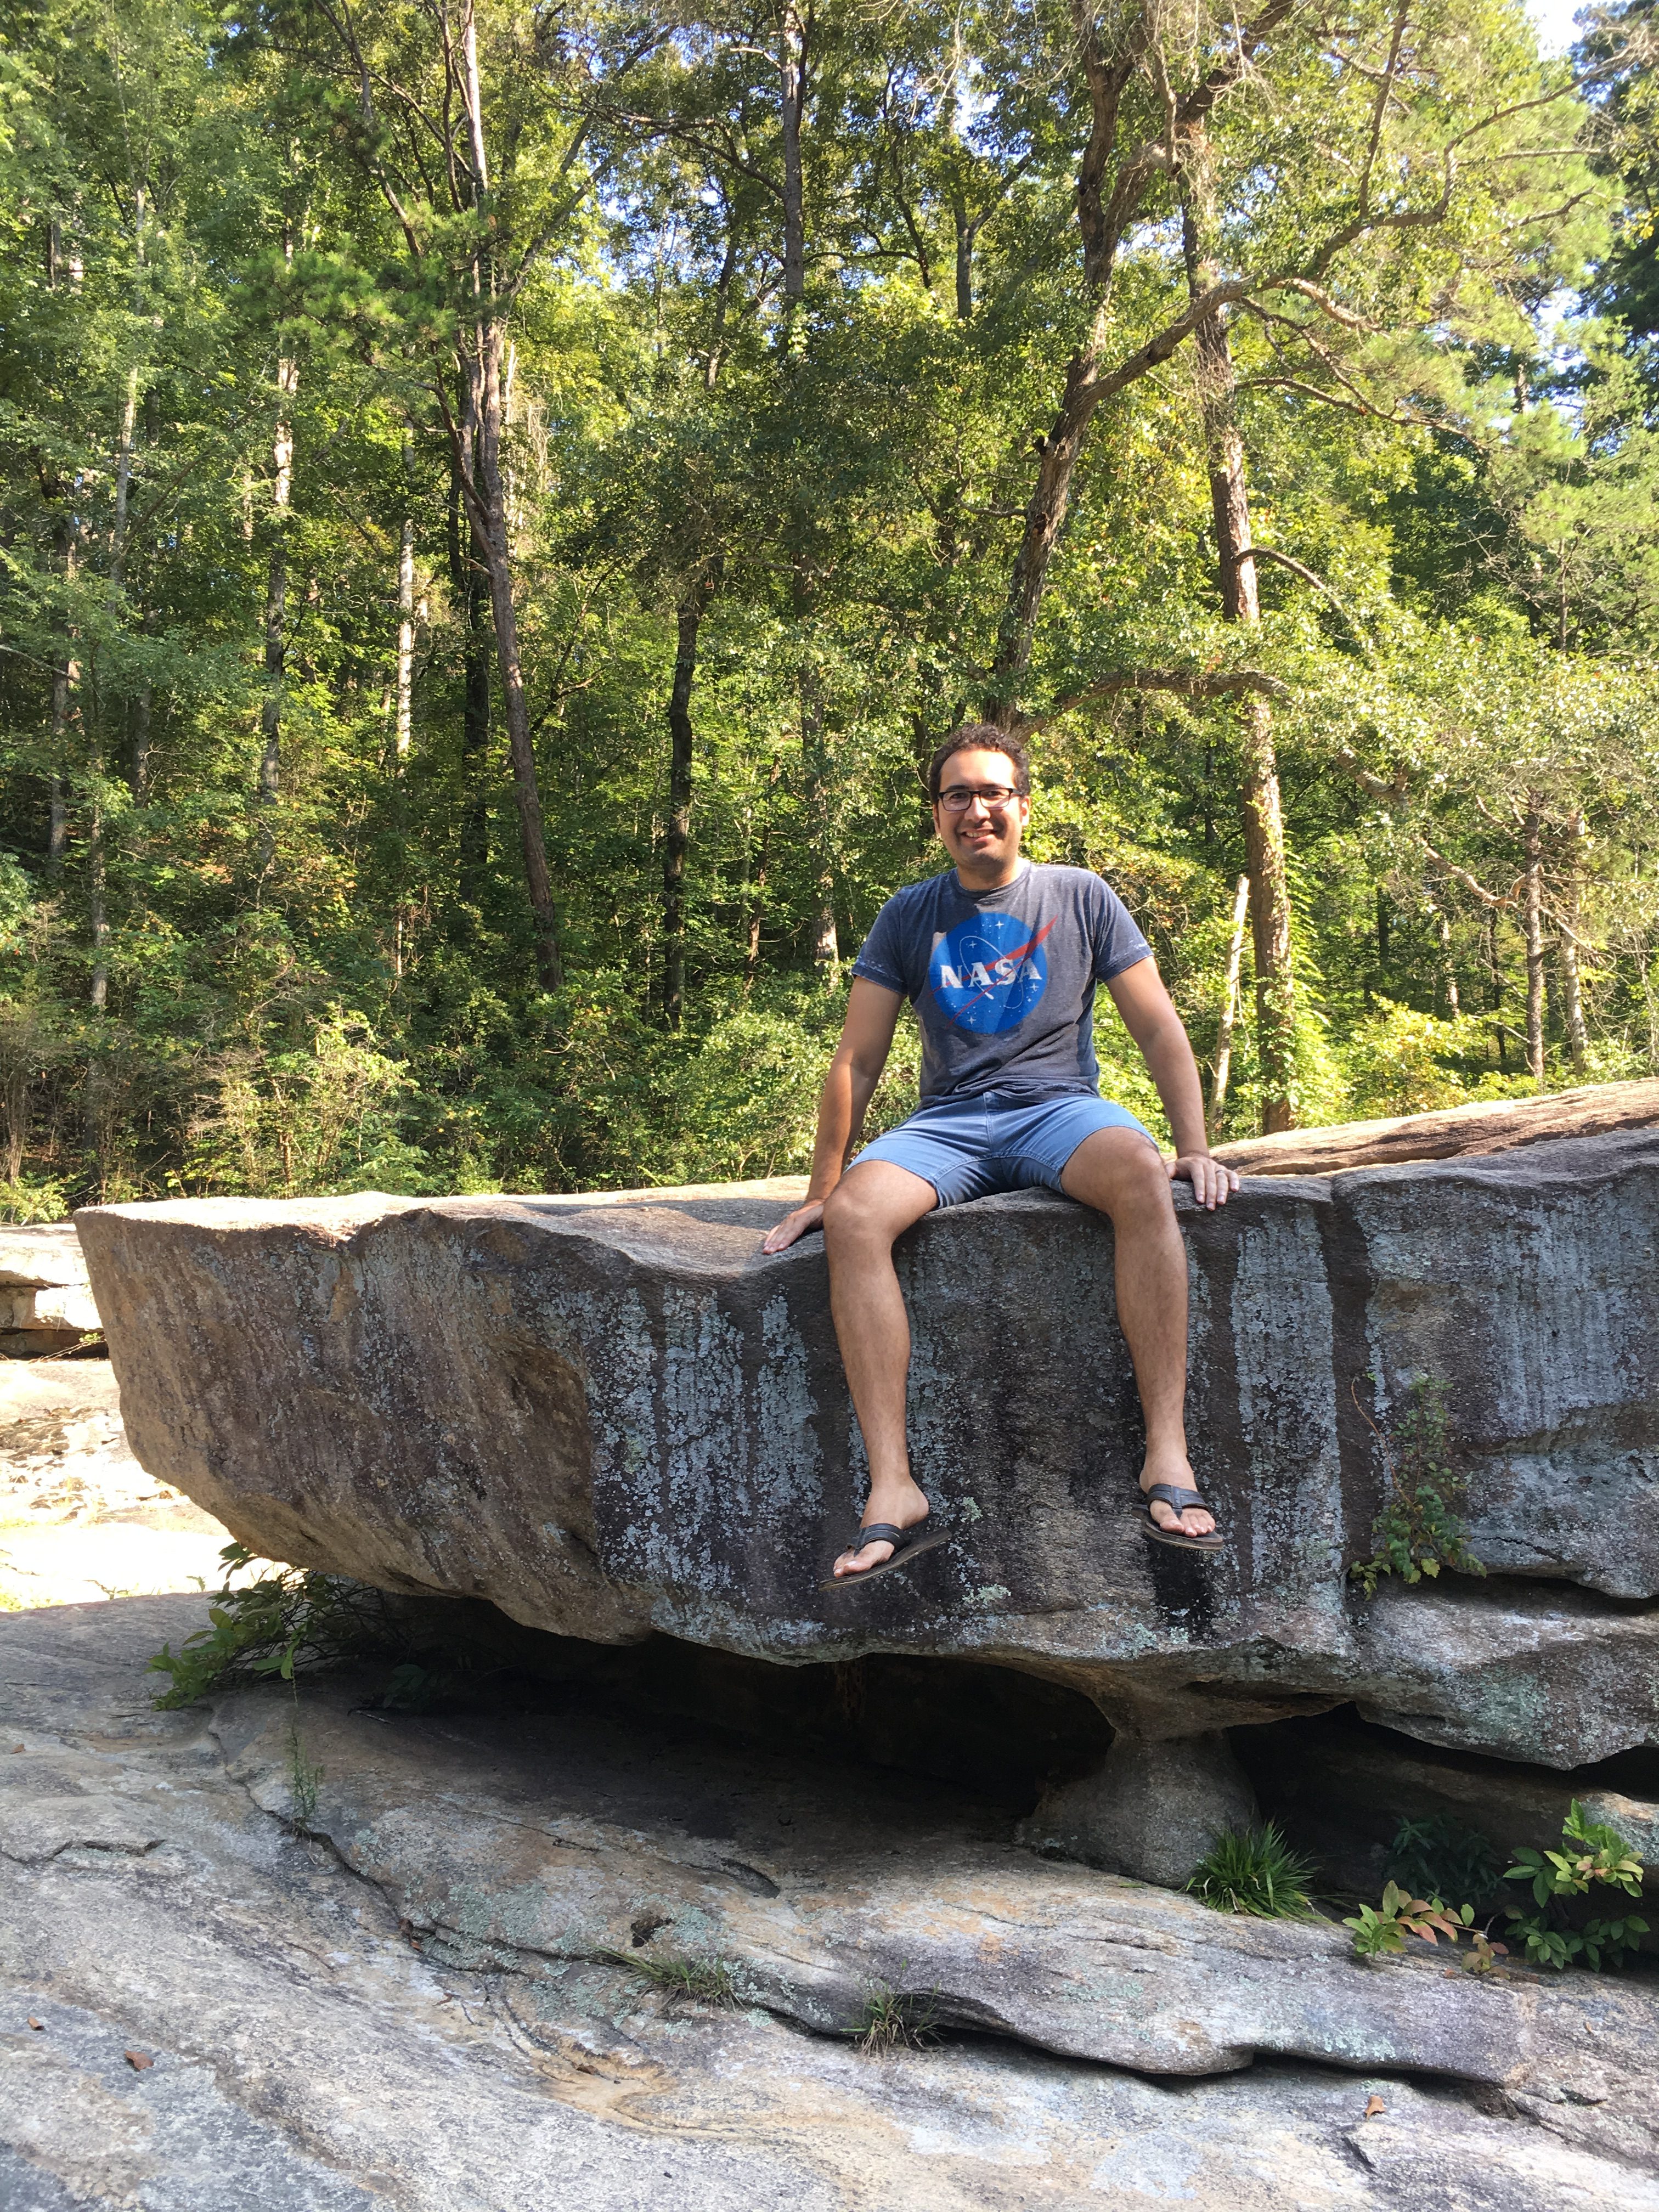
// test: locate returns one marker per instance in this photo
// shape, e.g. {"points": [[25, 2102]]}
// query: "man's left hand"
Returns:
{"points": [[1212, 1184]]}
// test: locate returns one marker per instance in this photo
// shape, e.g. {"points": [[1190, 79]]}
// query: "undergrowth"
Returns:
{"points": [[286, 1619], [1253, 1870], [1419, 1531], [1440, 1856]]}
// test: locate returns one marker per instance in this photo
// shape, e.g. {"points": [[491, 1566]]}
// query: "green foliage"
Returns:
{"points": [[1382, 1929], [1440, 1856], [694, 1980], [1418, 1529], [1253, 1870], [281, 1621], [1595, 1855], [892, 2020], [323, 978]]}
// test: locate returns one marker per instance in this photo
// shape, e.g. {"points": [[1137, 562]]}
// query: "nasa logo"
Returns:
{"points": [[988, 973]]}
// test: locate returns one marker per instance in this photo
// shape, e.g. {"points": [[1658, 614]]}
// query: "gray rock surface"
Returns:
{"points": [[1148, 1809], [613, 1415], [45, 1301], [412, 2014]]}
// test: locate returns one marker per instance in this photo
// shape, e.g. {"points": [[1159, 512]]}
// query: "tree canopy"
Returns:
{"points": [[499, 498]]}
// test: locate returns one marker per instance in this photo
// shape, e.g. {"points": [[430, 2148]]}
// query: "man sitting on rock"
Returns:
{"points": [[999, 957]]}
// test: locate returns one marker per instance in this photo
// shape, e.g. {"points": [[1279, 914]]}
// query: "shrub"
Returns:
{"points": [[1595, 1854], [290, 1617]]}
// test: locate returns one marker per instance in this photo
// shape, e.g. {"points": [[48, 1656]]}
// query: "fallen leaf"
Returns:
{"points": [[137, 2060], [1373, 2106], [35, 2023]]}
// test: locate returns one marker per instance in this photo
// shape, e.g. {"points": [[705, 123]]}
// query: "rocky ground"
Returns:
{"points": [[409, 2006], [307, 1957], [79, 1517]]}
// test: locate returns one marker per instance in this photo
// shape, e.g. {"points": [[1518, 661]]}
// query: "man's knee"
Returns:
{"points": [[850, 1217], [860, 1212], [1126, 1178]]}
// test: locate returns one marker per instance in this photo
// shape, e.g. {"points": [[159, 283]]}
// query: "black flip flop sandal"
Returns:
{"points": [[907, 1543], [1178, 1500]]}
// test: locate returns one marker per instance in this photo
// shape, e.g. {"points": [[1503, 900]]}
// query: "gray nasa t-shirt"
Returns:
{"points": [[1003, 981]]}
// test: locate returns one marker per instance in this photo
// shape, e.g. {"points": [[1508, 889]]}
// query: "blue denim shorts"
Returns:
{"points": [[969, 1147]]}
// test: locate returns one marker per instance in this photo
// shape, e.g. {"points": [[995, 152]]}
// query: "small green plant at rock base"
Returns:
{"points": [[290, 1616], [1595, 1853], [694, 1980], [891, 2020], [1419, 1531], [1384, 1928], [1253, 1870]]}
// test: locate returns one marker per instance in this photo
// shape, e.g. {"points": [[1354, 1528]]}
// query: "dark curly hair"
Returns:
{"points": [[980, 737]]}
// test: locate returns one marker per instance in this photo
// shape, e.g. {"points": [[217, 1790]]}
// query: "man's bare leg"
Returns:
{"points": [[868, 1208], [1122, 1175]]}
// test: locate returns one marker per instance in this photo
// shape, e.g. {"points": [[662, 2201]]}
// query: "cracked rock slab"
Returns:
{"points": [[518, 1844], [311, 2055]]}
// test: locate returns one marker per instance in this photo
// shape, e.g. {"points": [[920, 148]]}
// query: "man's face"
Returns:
{"points": [[983, 837]]}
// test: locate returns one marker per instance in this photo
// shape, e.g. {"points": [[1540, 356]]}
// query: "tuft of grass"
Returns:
{"points": [[893, 2021], [305, 1779], [690, 1980], [1254, 1870]]}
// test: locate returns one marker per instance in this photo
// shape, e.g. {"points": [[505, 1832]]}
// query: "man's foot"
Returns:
{"points": [[900, 1509], [1175, 1468]]}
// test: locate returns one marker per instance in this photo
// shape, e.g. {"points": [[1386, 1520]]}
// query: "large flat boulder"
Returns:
{"points": [[614, 1415]]}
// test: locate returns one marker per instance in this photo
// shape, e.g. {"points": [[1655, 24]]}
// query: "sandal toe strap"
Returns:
{"points": [[1183, 1501]]}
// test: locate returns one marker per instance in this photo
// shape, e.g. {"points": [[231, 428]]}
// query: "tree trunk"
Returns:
{"points": [[1264, 819], [964, 230], [1448, 966], [1495, 985], [97, 913], [1532, 913], [821, 940], [692, 609], [140, 747], [282, 491], [483, 369], [63, 675], [1224, 1043], [405, 703], [755, 887], [792, 69], [711, 368], [1572, 992], [470, 591]]}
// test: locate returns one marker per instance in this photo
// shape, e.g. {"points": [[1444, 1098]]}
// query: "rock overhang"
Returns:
{"points": [[615, 1414]]}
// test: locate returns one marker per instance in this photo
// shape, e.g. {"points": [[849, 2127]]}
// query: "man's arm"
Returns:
{"points": [[866, 1037], [1150, 1017]]}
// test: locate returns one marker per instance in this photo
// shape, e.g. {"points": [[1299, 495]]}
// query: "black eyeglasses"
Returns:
{"points": [[961, 796]]}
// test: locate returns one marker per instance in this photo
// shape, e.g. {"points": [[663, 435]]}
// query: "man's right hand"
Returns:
{"points": [[794, 1224]]}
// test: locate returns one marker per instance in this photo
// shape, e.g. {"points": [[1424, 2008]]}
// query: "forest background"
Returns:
{"points": [[498, 502]]}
